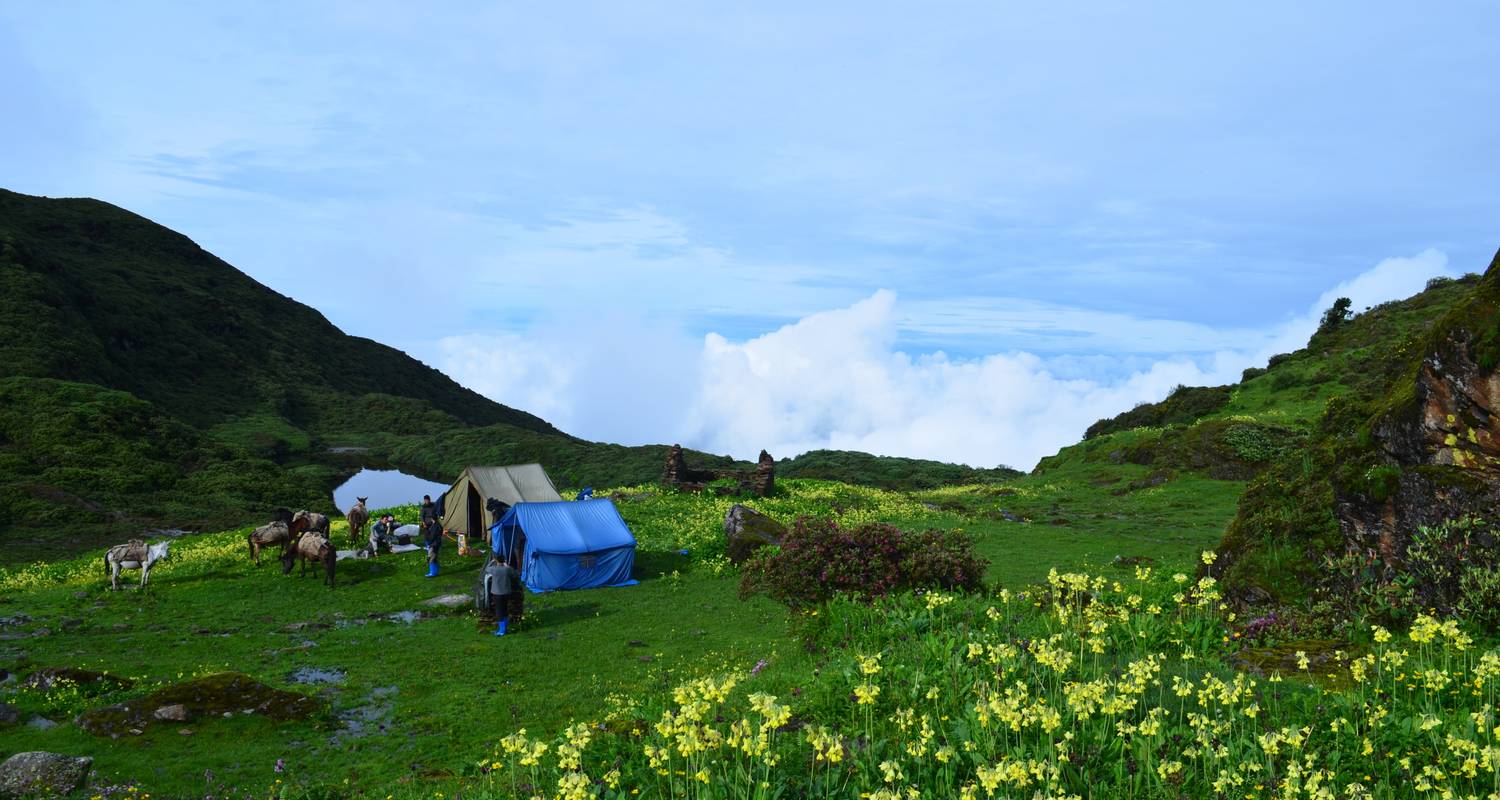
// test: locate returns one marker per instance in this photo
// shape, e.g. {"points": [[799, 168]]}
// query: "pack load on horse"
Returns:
{"points": [[309, 521], [310, 547], [135, 554], [274, 533]]}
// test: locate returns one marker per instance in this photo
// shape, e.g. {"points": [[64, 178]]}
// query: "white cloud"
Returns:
{"points": [[607, 377], [1392, 279], [835, 379]]}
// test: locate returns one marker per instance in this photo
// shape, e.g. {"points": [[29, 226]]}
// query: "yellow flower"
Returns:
{"points": [[1208, 556], [865, 693]]}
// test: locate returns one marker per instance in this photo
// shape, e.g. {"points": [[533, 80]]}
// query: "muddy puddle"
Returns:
{"points": [[316, 676]]}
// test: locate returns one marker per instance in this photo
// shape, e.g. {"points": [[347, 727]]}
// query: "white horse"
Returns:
{"points": [[134, 555]]}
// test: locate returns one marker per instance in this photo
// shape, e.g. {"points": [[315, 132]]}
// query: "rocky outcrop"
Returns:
{"points": [[746, 530], [1438, 455], [42, 774], [1417, 450]]}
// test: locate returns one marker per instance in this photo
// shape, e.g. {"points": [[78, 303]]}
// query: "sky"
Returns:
{"points": [[951, 230]]}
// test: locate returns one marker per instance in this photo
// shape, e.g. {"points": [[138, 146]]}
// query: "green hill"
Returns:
{"points": [[147, 383]]}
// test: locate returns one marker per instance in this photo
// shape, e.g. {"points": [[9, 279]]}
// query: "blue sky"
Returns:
{"points": [[1104, 193]]}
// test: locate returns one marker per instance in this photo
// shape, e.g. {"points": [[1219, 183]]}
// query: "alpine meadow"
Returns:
{"points": [[955, 402]]}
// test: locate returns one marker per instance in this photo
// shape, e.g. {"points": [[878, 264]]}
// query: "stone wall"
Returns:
{"points": [[761, 481]]}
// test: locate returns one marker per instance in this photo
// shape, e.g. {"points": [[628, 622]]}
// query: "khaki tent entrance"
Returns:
{"points": [[464, 507]]}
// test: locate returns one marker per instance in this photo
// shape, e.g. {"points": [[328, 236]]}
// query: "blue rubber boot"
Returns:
{"points": [[434, 569], [500, 629], [431, 569]]}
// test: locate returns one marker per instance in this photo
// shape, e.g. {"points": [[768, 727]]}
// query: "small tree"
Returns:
{"points": [[1337, 314]]}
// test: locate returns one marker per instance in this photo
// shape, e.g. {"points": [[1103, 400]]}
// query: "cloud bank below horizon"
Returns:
{"points": [[838, 379]]}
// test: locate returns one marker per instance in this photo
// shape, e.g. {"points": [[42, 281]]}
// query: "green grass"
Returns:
{"points": [[458, 686]]}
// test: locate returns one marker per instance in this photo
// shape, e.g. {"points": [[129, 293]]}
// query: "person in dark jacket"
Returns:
{"points": [[501, 581], [429, 509], [432, 537], [382, 535]]}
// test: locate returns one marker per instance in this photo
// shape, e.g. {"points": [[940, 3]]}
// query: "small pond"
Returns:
{"points": [[384, 488]]}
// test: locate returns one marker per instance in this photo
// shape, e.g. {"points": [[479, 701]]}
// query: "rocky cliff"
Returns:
{"points": [[1395, 498]]}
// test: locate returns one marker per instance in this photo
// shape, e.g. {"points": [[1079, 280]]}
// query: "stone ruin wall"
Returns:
{"points": [[760, 481]]}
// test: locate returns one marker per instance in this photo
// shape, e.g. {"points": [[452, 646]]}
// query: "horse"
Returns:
{"points": [[134, 554], [267, 535], [358, 516], [310, 548], [305, 520]]}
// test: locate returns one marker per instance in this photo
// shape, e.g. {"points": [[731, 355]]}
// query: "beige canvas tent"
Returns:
{"points": [[464, 508]]}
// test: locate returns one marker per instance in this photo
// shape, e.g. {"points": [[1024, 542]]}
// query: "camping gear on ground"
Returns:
{"points": [[406, 533], [464, 508], [567, 545]]}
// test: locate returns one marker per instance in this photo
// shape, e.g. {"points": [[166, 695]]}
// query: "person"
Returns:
{"points": [[429, 509], [500, 582], [432, 537], [382, 534]]}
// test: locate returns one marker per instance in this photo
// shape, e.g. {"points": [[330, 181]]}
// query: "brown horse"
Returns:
{"points": [[358, 516], [304, 521], [265, 536], [310, 548]]}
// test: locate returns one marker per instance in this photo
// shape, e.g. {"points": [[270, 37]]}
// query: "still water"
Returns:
{"points": [[385, 488]]}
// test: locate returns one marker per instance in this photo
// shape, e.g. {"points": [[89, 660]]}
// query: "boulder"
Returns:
{"points": [[40, 773], [449, 600], [175, 712], [211, 695], [48, 678], [746, 529]]}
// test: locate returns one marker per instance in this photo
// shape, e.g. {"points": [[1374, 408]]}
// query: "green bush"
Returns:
{"points": [[818, 560]]}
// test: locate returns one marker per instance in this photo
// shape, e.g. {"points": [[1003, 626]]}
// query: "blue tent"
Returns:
{"points": [[568, 545]]}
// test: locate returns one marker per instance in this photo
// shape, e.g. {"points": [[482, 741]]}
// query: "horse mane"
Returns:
{"points": [[282, 515]]}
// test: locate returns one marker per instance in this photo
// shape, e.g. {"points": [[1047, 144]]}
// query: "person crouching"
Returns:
{"points": [[500, 582], [432, 537]]}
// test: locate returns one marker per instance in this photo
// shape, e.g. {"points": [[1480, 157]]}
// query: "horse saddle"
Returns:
{"points": [[133, 550]]}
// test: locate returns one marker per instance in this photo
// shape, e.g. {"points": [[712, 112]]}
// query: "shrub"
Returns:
{"points": [[1252, 442], [1336, 315], [1251, 373], [1382, 481], [818, 559], [1453, 567]]}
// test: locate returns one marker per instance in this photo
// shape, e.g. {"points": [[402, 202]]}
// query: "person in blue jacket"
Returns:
{"points": [[432, 537]]}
